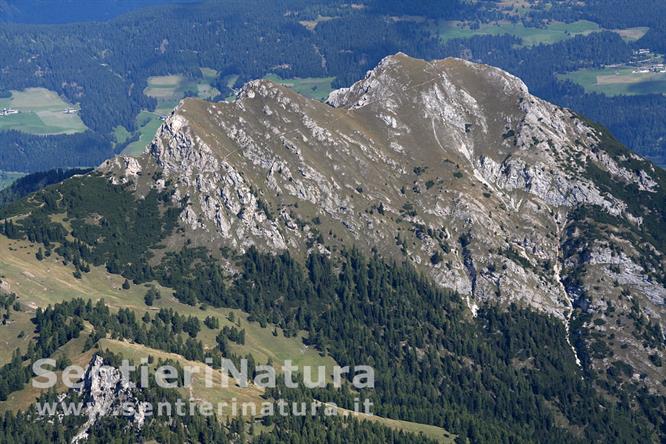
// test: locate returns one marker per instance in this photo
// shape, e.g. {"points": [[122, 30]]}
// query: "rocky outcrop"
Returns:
{"points": [[106, 393], [5, 287]]}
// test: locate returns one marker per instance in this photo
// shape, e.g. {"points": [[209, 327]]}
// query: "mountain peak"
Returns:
{"points": [[450, 165], [400, 74], [474, 104]]}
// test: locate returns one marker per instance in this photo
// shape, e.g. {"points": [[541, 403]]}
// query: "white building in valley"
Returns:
{"points": [[8, 111]]}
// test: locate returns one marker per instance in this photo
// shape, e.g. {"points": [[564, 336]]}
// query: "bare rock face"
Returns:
{"points": [[451, 165], [106, 393], [5, 287]]}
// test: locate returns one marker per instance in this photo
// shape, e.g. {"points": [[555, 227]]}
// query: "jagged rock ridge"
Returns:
{"points": [[451, 165]]}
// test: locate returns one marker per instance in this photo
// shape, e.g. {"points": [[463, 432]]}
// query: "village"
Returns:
{"points": [[645, 61]]}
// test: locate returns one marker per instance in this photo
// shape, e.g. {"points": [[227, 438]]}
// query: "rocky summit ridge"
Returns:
{"points": [[451, 165]]}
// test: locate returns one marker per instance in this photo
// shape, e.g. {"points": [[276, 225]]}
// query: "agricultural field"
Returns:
{"points": [[317, 88], [41, 112], [170, 89], [618, 81], [552, 33], [632, 34], [164, 87], [8, 177]]}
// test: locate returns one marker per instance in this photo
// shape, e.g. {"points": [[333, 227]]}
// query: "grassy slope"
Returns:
{"points": [[10, 334], [39, 283], [22, 399], [432, 432]]}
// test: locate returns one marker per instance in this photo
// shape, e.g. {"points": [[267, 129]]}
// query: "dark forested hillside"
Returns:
{"points": [[505, 376], [70, 11], [29, 153]]}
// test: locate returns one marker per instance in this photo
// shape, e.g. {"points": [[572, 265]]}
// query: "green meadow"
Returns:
{"points": [[41, 112], [552, 33], [618, 81], [632, 34], [148, 123]]}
